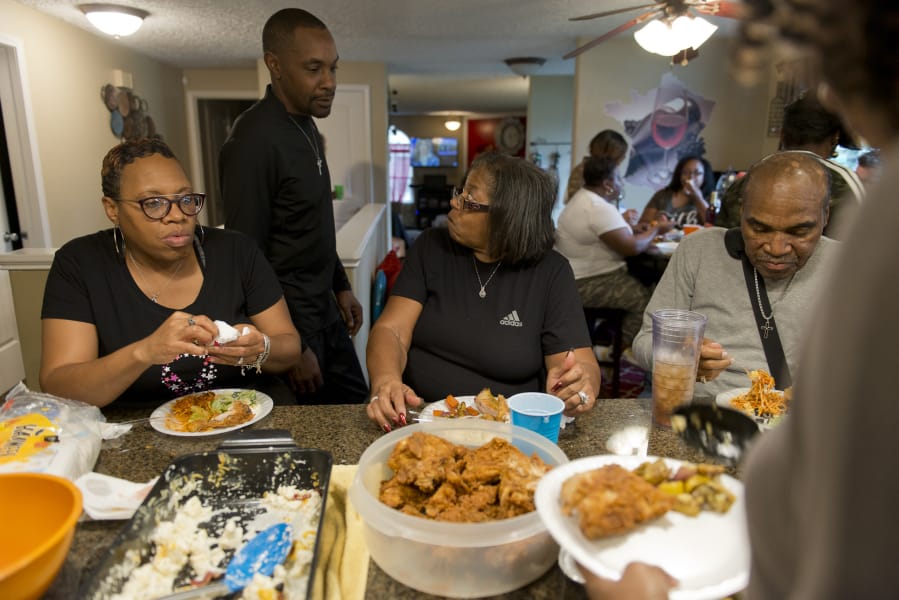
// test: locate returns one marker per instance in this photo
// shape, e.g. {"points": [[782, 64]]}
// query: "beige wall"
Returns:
{"points": [[65, 69], [611, 72], [220, 80]]}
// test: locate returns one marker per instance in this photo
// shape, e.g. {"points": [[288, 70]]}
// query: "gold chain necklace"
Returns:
{"points": [[313, 144], [143, 277]]}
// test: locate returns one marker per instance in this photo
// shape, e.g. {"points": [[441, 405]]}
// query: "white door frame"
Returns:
{"points": [[18, 116], [191, 100]]}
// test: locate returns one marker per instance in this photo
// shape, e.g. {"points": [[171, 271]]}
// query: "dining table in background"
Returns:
{"points": [[649, 266], [345, 431]]}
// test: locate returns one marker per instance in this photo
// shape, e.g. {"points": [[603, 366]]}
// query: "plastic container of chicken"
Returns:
{"points": [[457, 560]]}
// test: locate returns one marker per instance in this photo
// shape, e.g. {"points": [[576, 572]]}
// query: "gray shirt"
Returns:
{"points": [[703, 278]]}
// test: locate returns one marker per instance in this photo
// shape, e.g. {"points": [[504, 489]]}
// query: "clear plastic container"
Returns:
{"points": [[458, 560]]}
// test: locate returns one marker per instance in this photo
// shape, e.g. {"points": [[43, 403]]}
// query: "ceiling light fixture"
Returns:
{"points": [[525, 65], [113, 19], [668, 37], [452, 124]]}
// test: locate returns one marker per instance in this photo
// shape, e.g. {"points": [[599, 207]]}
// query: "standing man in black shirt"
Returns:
{"points": [[277, 189]]}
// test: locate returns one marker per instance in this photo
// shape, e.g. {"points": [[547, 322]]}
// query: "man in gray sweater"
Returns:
{"points": [[784, 212]]}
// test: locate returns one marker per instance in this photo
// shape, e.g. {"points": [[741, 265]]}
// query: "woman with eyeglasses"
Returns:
{"points": [[484, 303], [685, 200], [129, 312]]}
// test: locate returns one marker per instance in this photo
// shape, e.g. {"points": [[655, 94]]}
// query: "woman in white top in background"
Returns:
{"points": [[595, 238]]}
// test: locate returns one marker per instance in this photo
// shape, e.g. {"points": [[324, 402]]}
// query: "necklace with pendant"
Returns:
{"points": [[766, 328], [312, 143], [140, 271], [483, 292]]}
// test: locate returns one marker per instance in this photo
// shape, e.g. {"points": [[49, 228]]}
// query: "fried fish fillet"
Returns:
{"points": [[611, 500]]}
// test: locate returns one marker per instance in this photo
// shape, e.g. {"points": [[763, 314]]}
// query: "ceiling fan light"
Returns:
{"points": [[669, 38], [112, 19], [702, 30], [655, 37], [452, 124]]}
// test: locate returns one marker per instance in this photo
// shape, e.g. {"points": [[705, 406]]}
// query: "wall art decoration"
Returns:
{"points": [[129, 114], [663, 125]]}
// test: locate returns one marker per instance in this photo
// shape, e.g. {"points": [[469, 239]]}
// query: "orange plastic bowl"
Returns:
{"points": [[39, 513]]}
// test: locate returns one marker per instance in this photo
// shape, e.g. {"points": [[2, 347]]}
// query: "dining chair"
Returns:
{"points": [[605, 325]]}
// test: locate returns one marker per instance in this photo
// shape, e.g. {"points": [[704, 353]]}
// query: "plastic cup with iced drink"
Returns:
{"points": [[676, 342]]}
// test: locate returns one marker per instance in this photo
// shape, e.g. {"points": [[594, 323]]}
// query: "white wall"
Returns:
{"points": [[612, 71], [550, 118]]}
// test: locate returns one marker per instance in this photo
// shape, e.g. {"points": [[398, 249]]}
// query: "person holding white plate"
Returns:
{"points": [[128, 312]]}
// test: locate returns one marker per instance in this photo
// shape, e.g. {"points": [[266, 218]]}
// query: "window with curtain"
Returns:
{"points": [[400, 170]]}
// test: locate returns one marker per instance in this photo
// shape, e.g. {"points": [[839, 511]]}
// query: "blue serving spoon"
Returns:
{"points": [[261, 555]]}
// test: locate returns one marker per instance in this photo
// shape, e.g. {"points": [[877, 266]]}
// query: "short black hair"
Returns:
{"points": [[521, 202], [277, 33], [123, 155], [598, 169], [807, 121], [609, 144]]}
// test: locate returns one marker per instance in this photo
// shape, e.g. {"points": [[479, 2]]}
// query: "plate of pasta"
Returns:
{"points": [[212, 412], [761, 401]]}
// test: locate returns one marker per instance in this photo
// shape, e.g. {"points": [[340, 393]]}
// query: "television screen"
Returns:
{"points": [[435, 152]]}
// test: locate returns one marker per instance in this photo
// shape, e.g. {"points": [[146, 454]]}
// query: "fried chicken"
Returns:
{"points": [[611, 500], [440, 480]]}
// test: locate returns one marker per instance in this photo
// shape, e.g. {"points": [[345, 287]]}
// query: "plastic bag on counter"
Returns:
{"points": [[43, 433]]}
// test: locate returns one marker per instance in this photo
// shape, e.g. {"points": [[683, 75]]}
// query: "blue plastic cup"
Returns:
{"points": [[538, 412]]}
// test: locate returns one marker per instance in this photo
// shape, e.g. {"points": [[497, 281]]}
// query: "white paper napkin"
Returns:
{"points": [[228, 333], [109, 498]]}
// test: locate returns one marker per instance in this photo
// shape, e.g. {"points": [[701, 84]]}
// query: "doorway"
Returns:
{"points": [[210, 116]]}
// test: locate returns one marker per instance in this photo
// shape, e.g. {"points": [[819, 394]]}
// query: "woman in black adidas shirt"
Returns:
{"points": [[128, 312], [484, 303]]}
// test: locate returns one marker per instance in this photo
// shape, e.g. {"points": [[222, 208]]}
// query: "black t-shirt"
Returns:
{"points": [[89, 282], [274, 191], [463, 343]]}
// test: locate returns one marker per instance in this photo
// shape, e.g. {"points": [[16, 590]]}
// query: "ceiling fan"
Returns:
{"points": [[665, 11]]}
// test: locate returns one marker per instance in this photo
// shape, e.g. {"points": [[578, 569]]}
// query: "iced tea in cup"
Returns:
{"points": [[676, 342]]}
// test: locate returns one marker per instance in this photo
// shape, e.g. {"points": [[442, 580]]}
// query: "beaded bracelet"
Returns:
{"points": [[261, 357]]}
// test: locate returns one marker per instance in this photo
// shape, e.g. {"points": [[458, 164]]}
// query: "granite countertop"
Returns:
{"points": [[345, 432]]}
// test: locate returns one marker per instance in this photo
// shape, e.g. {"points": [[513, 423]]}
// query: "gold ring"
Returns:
{"points": [[703, 379]]}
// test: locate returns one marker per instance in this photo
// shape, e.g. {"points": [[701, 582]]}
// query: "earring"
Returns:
{"points": [[116, 233]]}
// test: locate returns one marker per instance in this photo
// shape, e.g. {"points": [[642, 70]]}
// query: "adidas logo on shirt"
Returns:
{"points": [[511, 320]]}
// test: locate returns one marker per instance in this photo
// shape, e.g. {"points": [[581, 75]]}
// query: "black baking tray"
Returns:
{"points": [[231, 480]]}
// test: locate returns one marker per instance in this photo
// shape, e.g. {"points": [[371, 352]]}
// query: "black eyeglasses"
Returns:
{"points": [[157, 207], [468, 203]]}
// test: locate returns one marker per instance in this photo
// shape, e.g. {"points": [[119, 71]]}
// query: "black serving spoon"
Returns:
{"points": [[718, 431]]}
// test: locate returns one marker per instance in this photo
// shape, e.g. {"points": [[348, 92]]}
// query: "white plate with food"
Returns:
{"points": [[666, 248], [445, 411], [212, 412], [708, 554], [726, 399]]}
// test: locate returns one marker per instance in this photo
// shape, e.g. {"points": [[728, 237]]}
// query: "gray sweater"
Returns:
{"points": [[702, 277]]}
